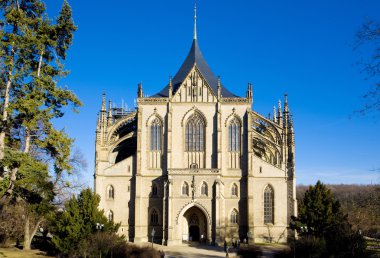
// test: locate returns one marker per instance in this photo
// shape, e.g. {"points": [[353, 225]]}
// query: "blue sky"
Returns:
{"points": [[300, 47]]}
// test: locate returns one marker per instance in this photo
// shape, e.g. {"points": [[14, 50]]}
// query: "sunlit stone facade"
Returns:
{"points": [[195, 162]]}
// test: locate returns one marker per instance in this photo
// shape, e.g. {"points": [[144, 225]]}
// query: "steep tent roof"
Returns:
{"points": [[194, 57]]}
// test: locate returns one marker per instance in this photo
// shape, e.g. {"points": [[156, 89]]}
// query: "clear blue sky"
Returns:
{"points": [[301, 47]]}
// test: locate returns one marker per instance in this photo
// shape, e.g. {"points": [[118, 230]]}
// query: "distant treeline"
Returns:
{"points": [[361, 203]]}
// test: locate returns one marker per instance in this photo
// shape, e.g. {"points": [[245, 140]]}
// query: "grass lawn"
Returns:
{"points": [[16, 253]]}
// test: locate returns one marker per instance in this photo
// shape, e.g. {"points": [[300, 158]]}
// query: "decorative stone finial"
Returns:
{"points": [[286, 106], [104, 101], [140, 93], [170, 86]]}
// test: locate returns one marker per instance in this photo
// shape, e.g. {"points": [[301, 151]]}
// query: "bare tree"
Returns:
{"points": [[368, 37]]}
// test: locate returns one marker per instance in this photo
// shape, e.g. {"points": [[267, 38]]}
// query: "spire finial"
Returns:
{"points": [[195, 19], [104, 101], [286, 106]]}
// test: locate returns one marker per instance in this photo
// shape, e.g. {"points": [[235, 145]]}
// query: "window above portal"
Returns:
{"points": [[195, 134]]}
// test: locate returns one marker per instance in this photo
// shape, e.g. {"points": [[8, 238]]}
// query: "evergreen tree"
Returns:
{"points": [[318, 210], [33, 49], [324, 228], [78, 221]]}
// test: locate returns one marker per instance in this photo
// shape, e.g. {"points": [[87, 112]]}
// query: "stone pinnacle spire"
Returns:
{"points": [[195, 19]]}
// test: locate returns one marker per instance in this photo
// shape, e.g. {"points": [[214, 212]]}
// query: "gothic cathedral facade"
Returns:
{"points": [[195, 162]]}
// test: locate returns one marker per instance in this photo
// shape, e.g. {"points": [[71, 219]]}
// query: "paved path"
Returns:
{"points": [[184, 251], [206, 251]]}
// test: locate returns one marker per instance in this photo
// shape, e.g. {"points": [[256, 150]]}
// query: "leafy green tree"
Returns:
{"points": [[78, 222], [33, 50]]}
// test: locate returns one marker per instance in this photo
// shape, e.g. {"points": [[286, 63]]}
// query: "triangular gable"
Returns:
{"points": [[194, 88]]}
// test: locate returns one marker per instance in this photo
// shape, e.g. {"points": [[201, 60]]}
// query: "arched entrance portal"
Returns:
{"points": [[194, 234], [194, 225]]}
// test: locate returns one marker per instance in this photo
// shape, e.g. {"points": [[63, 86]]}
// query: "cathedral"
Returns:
{"points": [[196, 163]]}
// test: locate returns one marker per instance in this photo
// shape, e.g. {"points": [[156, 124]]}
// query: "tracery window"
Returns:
{"points": [[110, 216], [193, 219], [234, 217], [111, 192], [195, 133], [268, 205], [185, 189], [204, 189], [234, 190], [154, 218], [234, 135], [155, 135]]}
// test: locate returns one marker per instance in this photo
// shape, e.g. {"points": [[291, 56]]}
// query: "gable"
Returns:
{"points": [[194, 88]]}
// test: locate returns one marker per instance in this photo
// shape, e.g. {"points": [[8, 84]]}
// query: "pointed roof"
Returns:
{"points": [[195, 57]]}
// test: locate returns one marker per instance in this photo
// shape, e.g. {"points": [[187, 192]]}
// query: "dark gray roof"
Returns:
{"points": [[194, 57]]}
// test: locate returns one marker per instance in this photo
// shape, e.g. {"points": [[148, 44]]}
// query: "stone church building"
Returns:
{"points": [[195, 162]]}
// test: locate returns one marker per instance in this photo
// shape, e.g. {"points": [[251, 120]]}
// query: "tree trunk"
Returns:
{"points": [[6, 104], [28, 236], [40, 64], [27, 240], [27, 140], [5, 115]]}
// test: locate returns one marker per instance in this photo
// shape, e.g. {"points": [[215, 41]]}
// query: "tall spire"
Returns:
{"points": [[195, 19]]}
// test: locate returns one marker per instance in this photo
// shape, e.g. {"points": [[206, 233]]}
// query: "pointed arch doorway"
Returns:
{"points": [[194, 225]]}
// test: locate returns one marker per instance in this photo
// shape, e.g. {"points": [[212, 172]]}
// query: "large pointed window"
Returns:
{"points": [[268, 205], [155, 135], [234, 136], [195, 134]]}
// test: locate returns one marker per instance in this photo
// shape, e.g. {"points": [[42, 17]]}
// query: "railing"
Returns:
{"points": [[196, 171]]}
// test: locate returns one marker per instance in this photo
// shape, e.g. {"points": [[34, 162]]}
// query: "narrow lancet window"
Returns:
{"points": [[110, 216], [268, 205], [154, 218], [204, 189], [234, 217], [185, 189], [155, 135], [234, 190], [111, 192], [234, 136]]}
